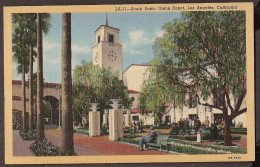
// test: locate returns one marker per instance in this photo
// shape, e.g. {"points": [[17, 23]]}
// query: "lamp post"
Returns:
{"points": [[58, 88]]}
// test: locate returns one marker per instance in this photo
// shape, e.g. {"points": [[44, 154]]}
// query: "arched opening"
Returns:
{"points": [[51, 110]]}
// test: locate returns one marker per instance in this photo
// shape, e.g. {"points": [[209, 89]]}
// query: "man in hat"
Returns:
{"points": [[147, 139]]}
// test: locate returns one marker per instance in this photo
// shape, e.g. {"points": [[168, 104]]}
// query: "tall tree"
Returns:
{"points": [[20, 51], [43, 25], [40, 126], [94, 84], [204, 54], [67, 147], [157, 96]]}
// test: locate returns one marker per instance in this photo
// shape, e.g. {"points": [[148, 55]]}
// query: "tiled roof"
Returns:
{"points": [[18, 98], [44, 84], [132, 91]]}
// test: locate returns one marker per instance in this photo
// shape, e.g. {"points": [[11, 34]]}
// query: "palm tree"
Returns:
{"points": [[43, 25], [67, 147], [20, 56], [27, 23]]}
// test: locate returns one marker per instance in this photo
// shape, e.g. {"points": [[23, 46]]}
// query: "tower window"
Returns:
{"points": [[111, 38], [98, 39]]}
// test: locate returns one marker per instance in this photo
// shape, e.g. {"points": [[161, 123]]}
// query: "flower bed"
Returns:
{"points": [[45, 148], [207, 137], [187, 147], [197, 148], [82, 131], [16, 120], [29, 135]]}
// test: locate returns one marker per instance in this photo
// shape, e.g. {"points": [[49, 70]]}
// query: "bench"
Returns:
{"points": [[160, 141]]}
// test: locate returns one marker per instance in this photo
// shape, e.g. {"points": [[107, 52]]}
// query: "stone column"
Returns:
{"points": [[127, 119], [198, 137], [115, 124], [105, 119], [94, 123]]}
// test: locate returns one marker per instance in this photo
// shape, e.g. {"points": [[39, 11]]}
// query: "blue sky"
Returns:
{"points": [[137, 34]]}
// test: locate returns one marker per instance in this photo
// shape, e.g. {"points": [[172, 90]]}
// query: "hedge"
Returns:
{"points": [[82, 131], [194, 138], [193, 148], [242, 131]]}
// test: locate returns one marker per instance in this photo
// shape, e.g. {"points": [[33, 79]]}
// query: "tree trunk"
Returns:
{"points": [[66, 88], [31, 89], [24, 127], [40, 127], [227, 132]]}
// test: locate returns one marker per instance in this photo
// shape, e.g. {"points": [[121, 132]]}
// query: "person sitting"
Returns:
{"points": [[147, 139]]}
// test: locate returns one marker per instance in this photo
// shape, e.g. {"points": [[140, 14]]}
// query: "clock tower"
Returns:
{"points": [[107, 50]]}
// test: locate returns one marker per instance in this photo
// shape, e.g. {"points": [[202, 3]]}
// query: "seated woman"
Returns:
{"points": [[147, 139]]}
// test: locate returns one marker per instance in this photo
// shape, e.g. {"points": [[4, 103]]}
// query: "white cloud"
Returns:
{"points": [[135, 52], [160, 33], [138, 38], [48, 46], [76, 49]]}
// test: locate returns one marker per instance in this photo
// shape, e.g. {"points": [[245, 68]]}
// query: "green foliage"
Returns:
{"points": [[104, 130], [47, 111], [82, 131], [202, 149], [29, 135], [239, 131], [94, 84], [16, 120], [204, 54], [187, 147], [45, 148]]}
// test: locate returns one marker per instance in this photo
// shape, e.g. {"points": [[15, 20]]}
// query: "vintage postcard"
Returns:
{"points": [[129, 83]]}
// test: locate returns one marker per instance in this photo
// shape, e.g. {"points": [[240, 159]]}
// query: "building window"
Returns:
{"points": [[98, 39], [168, 119], [135, 118], [192, 101], [192, 116], [132, 98], [111, 38]]}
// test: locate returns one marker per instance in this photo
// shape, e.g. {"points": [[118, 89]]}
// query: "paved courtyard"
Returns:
{"points": [[83, 145], [101, 145]]}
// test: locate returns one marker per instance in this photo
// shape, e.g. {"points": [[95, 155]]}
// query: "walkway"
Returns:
{"points": [[101, 145], [83, 145], [20, 146]]}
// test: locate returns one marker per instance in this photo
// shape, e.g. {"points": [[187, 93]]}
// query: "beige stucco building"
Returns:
{"points": [[107, 49]]}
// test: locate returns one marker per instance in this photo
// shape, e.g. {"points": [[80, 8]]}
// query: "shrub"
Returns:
{"points": [[206, 137], [211, 149], [45, 148], [29, 135], [16, 120], [104, 130], [130, 140], [188, 147], [82, 131], [162, 126], [242, 131]]}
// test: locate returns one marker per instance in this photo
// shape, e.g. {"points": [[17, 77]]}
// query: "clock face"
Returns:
{"points": [[96, 57], [112, 56]]}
